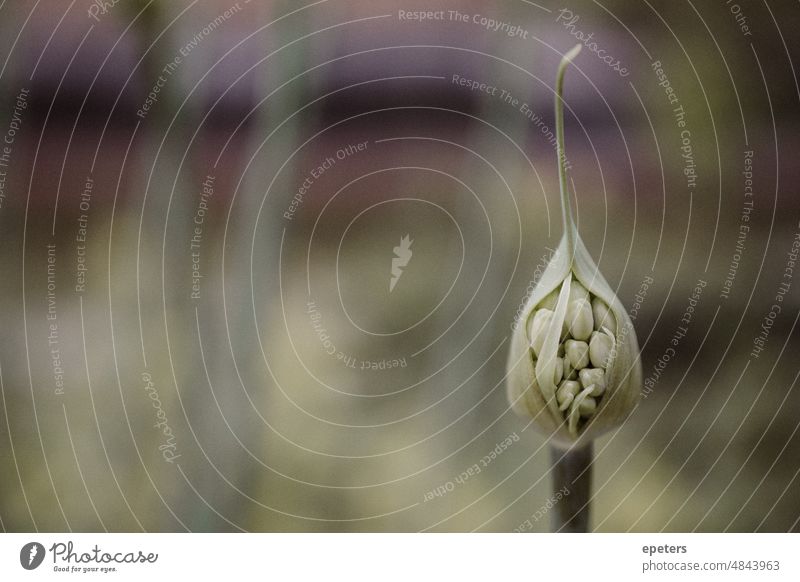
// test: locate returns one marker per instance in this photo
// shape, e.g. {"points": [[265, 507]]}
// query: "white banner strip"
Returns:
{"points": [[401, 557]]}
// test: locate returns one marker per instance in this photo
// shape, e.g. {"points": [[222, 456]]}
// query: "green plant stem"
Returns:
{"points": [[566, 206], [572, 476]]}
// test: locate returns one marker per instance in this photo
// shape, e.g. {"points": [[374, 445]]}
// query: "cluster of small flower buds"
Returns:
{"points": [[585, 346]]}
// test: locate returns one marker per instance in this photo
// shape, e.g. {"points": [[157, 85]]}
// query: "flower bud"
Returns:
{"points": [[583, 406], [603, 318], [568, 390], [573, 313], [578, 291], [594, 378], [574, 389], [600, 347], [579, 323], [577, 353]]}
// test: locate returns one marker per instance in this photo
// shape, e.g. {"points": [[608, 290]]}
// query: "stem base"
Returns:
{"points": [[572, 469]]}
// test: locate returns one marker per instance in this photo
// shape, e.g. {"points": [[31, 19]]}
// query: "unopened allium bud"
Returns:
{"points": [[577, 352], [594, 378], [578, 291], [573, 319], [602, 315], [568, 390], [583, 406], [600, 348], [579, 323]]}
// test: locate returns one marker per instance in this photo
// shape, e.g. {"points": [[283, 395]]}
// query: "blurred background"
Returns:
{"points": [[201, 200]]}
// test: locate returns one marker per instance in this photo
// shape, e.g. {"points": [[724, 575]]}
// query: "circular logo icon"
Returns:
{"points": [[31, 555]]}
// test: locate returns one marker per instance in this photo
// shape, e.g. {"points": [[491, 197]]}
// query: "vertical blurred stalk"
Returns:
{"points": [[159, 34], [149, 18], [572, 476], [266, 237]]}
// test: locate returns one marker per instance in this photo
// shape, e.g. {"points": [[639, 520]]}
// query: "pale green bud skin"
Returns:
{"points": [[577, 353], [567, 392], [602, 315], [579, 322], [594, 378], [538, 329], [600, 347]]}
